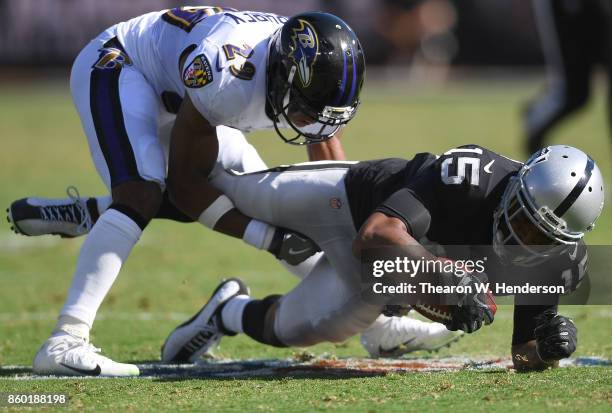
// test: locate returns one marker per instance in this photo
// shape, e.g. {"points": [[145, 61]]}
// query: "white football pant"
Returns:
{"points": [[310, 198]]}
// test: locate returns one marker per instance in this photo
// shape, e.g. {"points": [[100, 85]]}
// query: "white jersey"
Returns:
{"points": [[217, 56]]}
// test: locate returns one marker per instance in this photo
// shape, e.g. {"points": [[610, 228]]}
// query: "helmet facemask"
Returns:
{"points": [[311, 121], [526, 234], [310, 126], [518, 236]]}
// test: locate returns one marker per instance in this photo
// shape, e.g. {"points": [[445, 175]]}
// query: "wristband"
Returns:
{"points": [[259, 234], [215, 211]]}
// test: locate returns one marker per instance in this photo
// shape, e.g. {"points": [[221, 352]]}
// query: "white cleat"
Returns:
{"points": [[69, 217], [395, 336], [203, 331], [68, 355]]}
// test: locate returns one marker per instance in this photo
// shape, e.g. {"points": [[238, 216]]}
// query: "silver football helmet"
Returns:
{"points": [[548, 206]]}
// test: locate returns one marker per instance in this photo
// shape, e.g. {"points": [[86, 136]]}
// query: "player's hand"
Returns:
{"points": [[556, 336], [473, 309], [292, 247]]}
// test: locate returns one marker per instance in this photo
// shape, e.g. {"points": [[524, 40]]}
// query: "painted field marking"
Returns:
{"points": [[315, 368]]}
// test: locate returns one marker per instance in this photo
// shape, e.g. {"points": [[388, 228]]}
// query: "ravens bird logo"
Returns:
{"points": [[305, 50]]}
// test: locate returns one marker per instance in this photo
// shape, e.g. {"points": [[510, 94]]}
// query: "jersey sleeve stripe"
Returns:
{"points": [[354, 78]]}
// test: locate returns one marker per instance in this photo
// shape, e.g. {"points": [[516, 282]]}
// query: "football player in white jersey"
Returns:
{"points": [[156, 96], [129, 83]]}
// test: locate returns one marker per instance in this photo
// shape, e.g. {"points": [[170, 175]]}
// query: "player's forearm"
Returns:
{"points": [[194, 149], [382, 231], [191, 191], [525, 358], [234, 224], [330, 150], [200, 201]]}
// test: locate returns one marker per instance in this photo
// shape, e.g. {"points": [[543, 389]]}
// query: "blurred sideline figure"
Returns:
{"points": [[575, 35], [419, 33]]}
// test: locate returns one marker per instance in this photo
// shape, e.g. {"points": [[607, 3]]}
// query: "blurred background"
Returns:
{"points": [[504, 74], [510, 75], [48, 33]]}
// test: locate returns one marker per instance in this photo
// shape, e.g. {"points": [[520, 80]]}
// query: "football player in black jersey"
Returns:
{"points": [[472, 196], [530, 214]]}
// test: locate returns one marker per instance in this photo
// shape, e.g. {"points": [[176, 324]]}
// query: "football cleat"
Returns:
{"points": [[69, 217], [204, 330], [68, 355], [396, 336]]}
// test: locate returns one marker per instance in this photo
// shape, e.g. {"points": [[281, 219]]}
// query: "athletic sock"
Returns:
{"points": [[71, 325], [106, 248], [258, 324], [231, 314]]}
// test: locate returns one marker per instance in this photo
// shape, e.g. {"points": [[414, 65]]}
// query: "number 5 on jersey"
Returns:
{"points": [[462, 163]]}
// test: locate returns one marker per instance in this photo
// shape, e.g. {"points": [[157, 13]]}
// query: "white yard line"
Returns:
{"points": [[176, 316], [10, 242]]}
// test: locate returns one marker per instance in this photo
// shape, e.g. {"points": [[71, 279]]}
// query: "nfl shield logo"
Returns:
{"points": [[335, 203]]}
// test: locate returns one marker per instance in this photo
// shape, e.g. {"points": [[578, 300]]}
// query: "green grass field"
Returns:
{"points": [[175, 267]]}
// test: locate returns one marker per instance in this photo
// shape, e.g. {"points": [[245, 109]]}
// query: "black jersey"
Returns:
{"points": [[451, 200], [448, 199], [370, 183]]}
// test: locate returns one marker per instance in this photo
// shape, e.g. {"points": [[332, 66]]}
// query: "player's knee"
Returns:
{"points": [[140, 200], [352, 319], [559, 103], [338, 334], [178, 190]]}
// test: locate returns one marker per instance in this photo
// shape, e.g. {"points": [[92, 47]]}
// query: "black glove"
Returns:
{"points": [[292, 247], [473, 308], [556, 336]]}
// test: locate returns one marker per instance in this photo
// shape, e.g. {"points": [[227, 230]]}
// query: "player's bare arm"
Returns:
{"points": [[330, 150], [193, 153], [381, 230]]}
